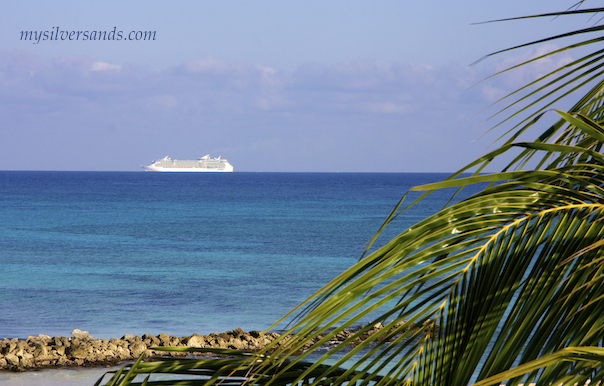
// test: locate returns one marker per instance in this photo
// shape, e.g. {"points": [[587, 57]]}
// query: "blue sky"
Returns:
{"points": [[349, 86]]}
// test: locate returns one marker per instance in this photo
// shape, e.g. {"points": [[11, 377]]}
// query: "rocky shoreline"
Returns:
{"points": [[81, 350]]}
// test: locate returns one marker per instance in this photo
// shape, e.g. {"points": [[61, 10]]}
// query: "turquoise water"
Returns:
{"points": [[132, 253]]}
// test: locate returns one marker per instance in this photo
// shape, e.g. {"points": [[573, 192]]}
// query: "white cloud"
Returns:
{"points": [[395, 111], [102, 66]]}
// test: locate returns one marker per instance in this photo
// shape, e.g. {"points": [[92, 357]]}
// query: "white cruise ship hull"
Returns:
{"points": [[204, 164], [152, 168]]}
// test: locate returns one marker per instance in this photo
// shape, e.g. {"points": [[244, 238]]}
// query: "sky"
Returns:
{"points": [[272, 86]]}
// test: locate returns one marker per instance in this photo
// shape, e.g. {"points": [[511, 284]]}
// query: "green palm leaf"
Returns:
{"points": [[505, 285], [500, 279]]}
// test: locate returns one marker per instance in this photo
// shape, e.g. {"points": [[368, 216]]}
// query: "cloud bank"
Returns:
{"points": [[77, 113]]}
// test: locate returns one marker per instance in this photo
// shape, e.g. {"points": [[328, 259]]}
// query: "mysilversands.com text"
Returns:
{"points": [[57, 34]]}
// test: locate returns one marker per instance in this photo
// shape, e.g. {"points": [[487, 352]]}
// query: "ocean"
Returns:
{"points": [[116, 253]]}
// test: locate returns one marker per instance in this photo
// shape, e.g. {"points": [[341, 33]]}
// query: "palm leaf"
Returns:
{"points": [[506, 285], [481, 288]]}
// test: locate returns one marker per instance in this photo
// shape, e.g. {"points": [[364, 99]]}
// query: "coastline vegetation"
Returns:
{"points": [[507, 285]]}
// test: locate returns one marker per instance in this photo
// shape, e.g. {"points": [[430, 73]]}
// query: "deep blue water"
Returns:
{"points": [[115, 253]]}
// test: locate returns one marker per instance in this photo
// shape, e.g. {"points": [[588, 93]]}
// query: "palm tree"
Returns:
{"points": [[506, 285]]}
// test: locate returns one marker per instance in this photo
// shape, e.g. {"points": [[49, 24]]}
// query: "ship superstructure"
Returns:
{"points": [[203, 164]]}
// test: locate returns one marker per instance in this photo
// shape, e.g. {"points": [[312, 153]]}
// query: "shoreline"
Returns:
{"points": [[81, 350]]}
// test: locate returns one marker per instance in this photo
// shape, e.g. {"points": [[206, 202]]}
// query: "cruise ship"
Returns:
{"points": [[203, 164]]}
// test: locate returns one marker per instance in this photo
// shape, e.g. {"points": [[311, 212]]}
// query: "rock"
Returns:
{"points": [[9, 347], [40, 338], [79, 334], [26, 361], [174, 341], [79, 351], [237, 344], [151, 340], [22, 345], [224, 336], [164, 339], [137, 348], [195, 341], [219, 342], [40, 351], [238, 333], [123, 353], [60, 350], [256, 334], [12, 359], [20, 348], [100, 344]]}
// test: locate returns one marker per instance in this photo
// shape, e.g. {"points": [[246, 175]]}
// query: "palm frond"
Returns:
{"points": [[583, 74], [481, 288], [192, 371], [505, 285]]}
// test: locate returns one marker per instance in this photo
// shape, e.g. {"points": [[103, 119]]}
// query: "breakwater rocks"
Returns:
{"points": [[42, 351]]}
